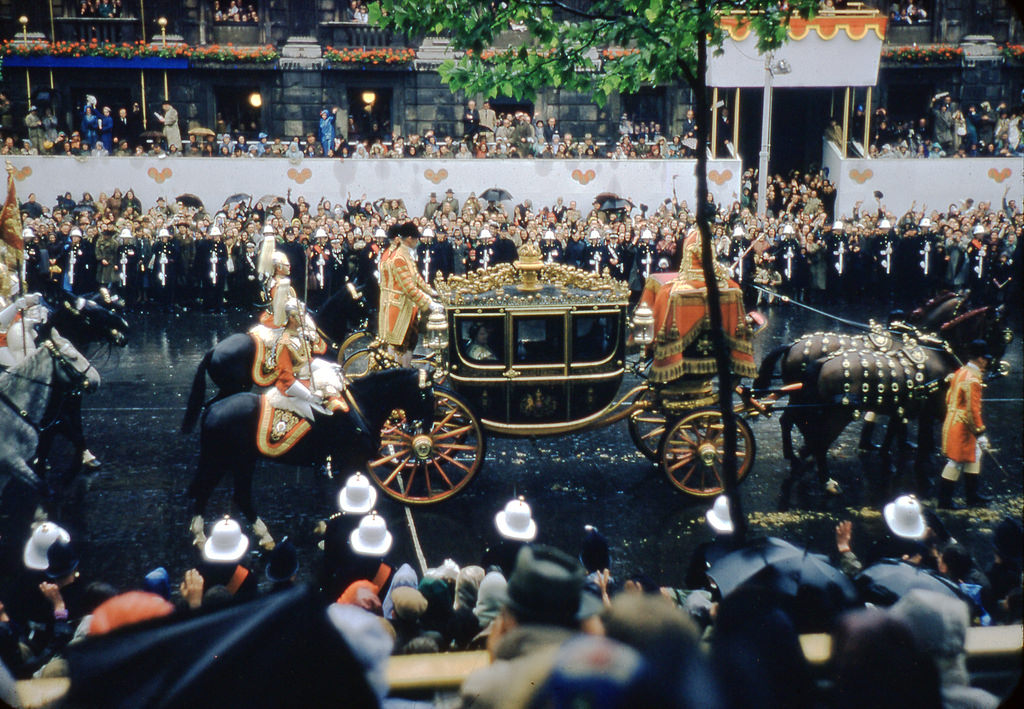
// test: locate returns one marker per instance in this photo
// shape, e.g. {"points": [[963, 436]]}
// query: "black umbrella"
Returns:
{"points": [[811, 590], [495, 194], [151, 135], [189, 200], [736, 568], [237, 199], [90, 208], [615, 204], [269, 199], [280, 650], [889, 580]]}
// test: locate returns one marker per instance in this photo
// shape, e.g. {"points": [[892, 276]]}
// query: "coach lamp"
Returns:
{"points": [[643, 325], [437, 332]]}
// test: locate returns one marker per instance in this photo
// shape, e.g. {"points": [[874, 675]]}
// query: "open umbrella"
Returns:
{"points": [[615, 204], [239, 198], [605, 196], [80, 208], [151, 135], [280, 650], [189, 200], [269, 199], [888, 580], [495, 194], [201, 131], [811, 590]]}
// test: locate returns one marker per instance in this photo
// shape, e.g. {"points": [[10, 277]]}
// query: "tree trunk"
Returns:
{"points": [[720, 348]]}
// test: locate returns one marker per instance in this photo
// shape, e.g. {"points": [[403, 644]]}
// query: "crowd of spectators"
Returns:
{"points": [[948, 130], [908, 13], [559, 624], [235, 11], [104, 9], [804, 248]]}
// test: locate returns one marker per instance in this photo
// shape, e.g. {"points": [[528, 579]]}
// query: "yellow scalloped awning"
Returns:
{"points": [[856, 28]]}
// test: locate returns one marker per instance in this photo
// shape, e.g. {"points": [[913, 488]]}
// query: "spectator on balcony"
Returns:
{"points": [[488, 120], [90, 126], [49, 125], [172, 133], [327, 132], [470, 121], [105, 9], [105, 124], [6, 115]]}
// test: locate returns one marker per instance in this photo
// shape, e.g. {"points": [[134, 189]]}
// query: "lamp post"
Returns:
{"points": [[771, 68], [163, 42], [24, 35]]}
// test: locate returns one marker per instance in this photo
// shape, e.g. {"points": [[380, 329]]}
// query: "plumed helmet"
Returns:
{"points": [[280, 259]]}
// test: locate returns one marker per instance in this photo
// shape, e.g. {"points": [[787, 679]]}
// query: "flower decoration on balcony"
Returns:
{"points": [[224, 54], [381, 56], [613, 53], [1014, 52], [929, 54]]}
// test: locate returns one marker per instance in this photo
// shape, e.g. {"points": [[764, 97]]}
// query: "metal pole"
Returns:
{"points": [[142, 19], [142, 80], [846, 119], [736, 122], [714, 123], [163, 42], [867, 124], [766, 137], [53, 32]]}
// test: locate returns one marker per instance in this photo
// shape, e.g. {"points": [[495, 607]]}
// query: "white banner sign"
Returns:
{"points": [[412, 180]]}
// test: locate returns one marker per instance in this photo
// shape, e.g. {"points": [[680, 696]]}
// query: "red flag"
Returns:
{"points": [[10, 219]]}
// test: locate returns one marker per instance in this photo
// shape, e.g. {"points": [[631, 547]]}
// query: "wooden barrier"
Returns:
{"points": [[446, 671]]}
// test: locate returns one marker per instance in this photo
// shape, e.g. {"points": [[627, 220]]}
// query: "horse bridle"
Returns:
{"points": [[80, 379]]}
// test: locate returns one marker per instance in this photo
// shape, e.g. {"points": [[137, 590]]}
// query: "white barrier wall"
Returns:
{"points": [[931, 183], [214, 179]]}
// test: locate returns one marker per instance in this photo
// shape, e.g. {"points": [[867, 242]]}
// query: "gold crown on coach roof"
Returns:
{"points": [[561, 284]]}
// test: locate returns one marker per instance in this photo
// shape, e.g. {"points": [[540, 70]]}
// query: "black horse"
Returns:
{"points": [[230, 362], [227, 441], [34, 396], [902, 383]]}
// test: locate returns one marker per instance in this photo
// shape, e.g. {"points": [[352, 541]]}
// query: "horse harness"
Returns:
{"points": [[61, 361]]}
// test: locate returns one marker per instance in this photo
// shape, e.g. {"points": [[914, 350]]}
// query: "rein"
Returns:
{"points": [[787, 299]]}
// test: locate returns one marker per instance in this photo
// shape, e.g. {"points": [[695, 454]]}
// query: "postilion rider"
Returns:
{"points": [[403, 296], [963, 432]]}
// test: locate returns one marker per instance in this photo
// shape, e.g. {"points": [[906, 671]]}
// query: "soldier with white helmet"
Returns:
{"points": [[210, 265], [164, 270], [129, 276], [80, 274], [319, 281]]}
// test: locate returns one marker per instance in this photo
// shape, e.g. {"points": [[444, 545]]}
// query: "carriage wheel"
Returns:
{"points": [[692, 452], [647, 428], [421, 468], [352, 344]]}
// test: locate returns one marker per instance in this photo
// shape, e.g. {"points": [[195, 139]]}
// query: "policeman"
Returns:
{"points": [[963, 431], [573, 255], [443, 254], [619, 259]]}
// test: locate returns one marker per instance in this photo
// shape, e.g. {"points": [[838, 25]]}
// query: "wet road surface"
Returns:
{"points": [[131, 516]]}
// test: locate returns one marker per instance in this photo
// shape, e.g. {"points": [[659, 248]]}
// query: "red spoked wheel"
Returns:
{"points": [[693, 451], [421, 467]]}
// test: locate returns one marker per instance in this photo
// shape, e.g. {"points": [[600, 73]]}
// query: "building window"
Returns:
{"points": [[239, 110], [369, 112]]}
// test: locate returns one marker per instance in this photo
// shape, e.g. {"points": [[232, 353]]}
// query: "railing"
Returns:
{"points": [[116, 31], [238, 34], [357, 34]]}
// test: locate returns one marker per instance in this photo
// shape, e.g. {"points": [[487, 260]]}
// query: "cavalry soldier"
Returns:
{"points": [[166, 261], [403, 296], [963, 431], [279, 288]]}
